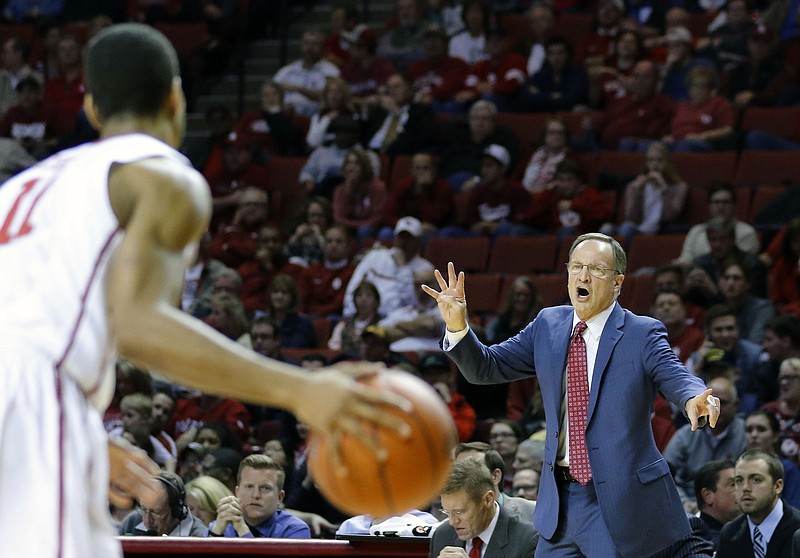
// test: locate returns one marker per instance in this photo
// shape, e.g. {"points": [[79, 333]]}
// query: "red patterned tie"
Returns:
{"points": [[578, 406], [477, 543]]}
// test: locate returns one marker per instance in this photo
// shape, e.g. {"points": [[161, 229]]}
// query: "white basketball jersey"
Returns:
{"points": [[57, 233]]}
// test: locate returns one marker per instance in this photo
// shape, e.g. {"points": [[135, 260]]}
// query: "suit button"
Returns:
{"points": [[556, 433], [551, 468]]}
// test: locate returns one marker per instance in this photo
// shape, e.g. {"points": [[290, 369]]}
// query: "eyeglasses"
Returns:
{"points": [[525, 487], [788, 378], [453, 513], [152, 513], [596, 270]]}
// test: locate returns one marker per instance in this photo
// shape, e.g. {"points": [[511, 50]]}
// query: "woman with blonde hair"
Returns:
{"points": [[203, 495], [336, 102]]}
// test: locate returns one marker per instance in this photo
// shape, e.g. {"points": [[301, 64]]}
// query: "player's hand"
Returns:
{"points": [[131, 473], [333, 404], [451, 298], [703, 405]]}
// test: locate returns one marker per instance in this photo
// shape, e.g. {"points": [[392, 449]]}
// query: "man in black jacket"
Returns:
{"points": [[768, 524]]}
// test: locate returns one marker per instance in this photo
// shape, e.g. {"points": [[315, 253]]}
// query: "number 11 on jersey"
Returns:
{"points": [[23, 205]]}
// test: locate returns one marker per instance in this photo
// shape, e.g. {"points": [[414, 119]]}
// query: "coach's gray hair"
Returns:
{"points": [[620, 259]]}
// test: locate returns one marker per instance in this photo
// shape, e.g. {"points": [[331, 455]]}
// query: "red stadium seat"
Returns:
{"points": [[699, 169], [552, 287], [467, 254], [400, 170], [767, 168], [620, 163], [653, 250], [284, 172], [523, 254], [483, 292], [527, 127], [780, 121], [762, 195], [322, 330], [187, 38]]}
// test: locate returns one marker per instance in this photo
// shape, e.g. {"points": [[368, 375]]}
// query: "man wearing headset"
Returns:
{"points": [[164, 513]]}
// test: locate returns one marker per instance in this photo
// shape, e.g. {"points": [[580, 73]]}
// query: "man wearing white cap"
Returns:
{"points": [[497, 205], [392, 270], [680, 59]]}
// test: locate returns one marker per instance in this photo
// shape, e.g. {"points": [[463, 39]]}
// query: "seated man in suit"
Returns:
{"points": [[476, 520], [715, 490], [767, 526], [483, 452]]}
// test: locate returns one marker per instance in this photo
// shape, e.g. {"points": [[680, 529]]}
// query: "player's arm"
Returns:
{"points": [[164, 208]]}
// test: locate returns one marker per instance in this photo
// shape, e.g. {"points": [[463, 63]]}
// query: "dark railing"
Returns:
{"points": [[369, 547]]}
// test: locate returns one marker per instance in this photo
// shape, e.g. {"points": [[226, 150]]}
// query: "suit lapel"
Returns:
{"points": [[612, 333], [499, 540], [782, 531]]}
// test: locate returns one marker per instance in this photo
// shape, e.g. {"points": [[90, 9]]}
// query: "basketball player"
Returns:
{"points": [[93, 245]]}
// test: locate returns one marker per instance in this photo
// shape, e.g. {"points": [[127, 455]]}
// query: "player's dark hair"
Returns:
{"points": [[129, 69]]}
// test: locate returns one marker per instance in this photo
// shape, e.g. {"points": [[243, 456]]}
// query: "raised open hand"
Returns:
{"points": [[451, 298]]}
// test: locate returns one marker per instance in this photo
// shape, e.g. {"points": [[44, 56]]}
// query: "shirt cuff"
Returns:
{"points": [[451, 338]]}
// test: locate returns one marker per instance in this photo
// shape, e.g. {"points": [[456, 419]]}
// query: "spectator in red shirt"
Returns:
{"points": [[569, 206], [498, 79], [336, 48], [497, 205], [192, 413], [29, 122], [594, 48], [784, 275], [435, 369], [358, 203], [323, 284], [438, 77], [365, 71], [684, 337], [64, 93], [258, 272], [642, 115], [236, 173], [271, 129], [705, 121], [423, 195], [236, 243]]}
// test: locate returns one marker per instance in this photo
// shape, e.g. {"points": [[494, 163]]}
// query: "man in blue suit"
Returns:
{"points": [[608, 491]]}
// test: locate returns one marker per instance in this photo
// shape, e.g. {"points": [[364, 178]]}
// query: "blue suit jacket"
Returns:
{"points": [[633, 361]]}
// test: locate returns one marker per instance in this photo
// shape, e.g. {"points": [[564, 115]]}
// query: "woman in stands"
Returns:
{"points": [[359, 201], [336, 102], [304, 246], [520, 306], [542, 166], [347, 332], [655, 198]]}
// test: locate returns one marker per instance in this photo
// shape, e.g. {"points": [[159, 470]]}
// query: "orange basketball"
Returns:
{"points": [[416, 467]]}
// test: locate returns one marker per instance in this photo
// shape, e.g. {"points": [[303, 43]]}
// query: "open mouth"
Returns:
{"points": [[583, 293]]}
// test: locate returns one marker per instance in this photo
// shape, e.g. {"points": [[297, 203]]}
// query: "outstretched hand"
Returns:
{"points": [[131, 473], [334, 404], [451, 298], [703, 405]]}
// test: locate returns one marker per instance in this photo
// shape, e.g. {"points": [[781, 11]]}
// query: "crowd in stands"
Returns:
{"points": [[456, 122]]}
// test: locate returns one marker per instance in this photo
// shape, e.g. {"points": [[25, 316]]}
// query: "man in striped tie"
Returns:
{"points": [[768, 523]]}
